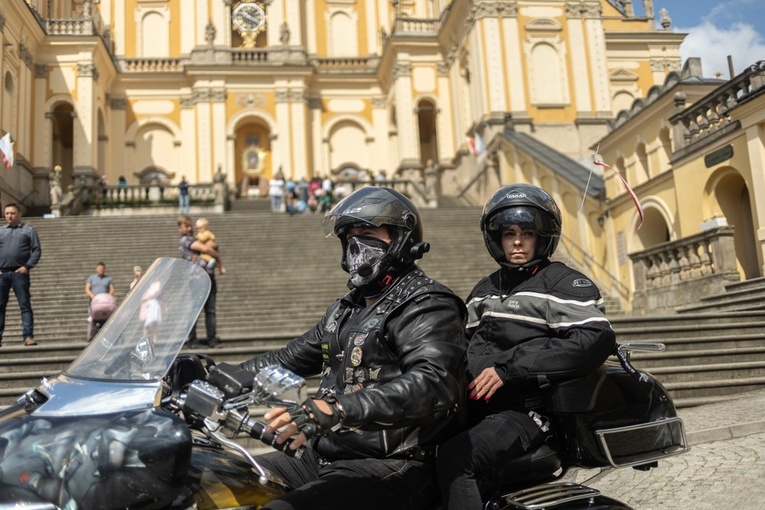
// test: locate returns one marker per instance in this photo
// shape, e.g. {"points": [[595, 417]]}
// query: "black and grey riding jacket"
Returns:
{"points": [[396, 367], [534, 327]]}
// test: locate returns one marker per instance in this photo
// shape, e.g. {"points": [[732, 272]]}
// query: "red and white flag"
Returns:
{"points": [[6, 150], [634, 197]]}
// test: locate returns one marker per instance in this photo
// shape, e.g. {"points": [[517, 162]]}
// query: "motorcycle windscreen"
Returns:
{"points": [[145, 334]]}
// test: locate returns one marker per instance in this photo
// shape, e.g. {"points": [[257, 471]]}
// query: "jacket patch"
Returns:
{"points": [[356, 355], [512, 303], [331, 327], [359, 339], [582, 282]]}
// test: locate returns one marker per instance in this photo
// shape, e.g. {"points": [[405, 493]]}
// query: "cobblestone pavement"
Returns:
{"points": [[711, 476]]}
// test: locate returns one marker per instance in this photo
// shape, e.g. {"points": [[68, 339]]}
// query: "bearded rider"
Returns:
{"points": [[391, 359], [530, 323]]}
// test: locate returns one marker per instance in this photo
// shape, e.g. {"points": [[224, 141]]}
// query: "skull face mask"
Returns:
{"points": [[365, 257]]}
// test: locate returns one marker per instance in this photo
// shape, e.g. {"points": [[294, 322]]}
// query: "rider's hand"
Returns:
{"points": [[485, 385], [279, 417]]}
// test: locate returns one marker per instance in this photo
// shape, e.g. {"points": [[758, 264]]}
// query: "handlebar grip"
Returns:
{"points": [[258, 431]]}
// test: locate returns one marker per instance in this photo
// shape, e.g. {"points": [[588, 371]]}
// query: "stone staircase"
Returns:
{"points": [[282, 274], [738, 296]]}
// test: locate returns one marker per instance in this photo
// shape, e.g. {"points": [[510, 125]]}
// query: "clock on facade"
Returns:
{"points": [[249, 19]]}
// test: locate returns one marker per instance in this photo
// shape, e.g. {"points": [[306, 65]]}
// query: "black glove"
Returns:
{"points": [[311, 421]]}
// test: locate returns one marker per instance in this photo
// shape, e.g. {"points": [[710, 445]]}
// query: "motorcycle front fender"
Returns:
{"points": [[218, 479]]}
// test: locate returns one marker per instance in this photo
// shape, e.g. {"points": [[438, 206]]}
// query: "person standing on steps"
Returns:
{"points": [[183, 196], [19, 253], [191, 249]]}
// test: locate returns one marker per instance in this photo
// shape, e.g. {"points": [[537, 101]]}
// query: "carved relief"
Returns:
{"points": [[87, 71], [282, 96], [442, 69], [41, 71], [250, 100], [298, 96], [187, 102], [117, 103], [575, 10], [401, 69], [666, 64], [218, 95], [494, 9], [26, 56], [379, 102]]}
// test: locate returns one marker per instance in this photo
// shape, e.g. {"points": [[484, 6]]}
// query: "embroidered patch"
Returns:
{"points": [[356, 355], [582, 282], [372, 323], [512, 303], [331, 327], [374, 373], [359, 339]]}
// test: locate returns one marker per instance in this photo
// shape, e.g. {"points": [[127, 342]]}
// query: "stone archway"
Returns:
{"points": [[733, 198], [62, 140], [253, 161]]}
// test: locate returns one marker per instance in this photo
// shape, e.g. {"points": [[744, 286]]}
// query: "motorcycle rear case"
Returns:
{"points": [[611, 418]]}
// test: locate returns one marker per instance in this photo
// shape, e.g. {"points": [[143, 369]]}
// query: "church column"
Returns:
{"points": [[281, 149], [754, 137], [298, 135], [203, 108], [42, 126], [275, 16], [380, 126], [409, 156], [513, 58], [317, 145], [218, 107], [118, 33], [116, 132], [201, 21], [189, 136], [444, 126], [493, 76], [596, 45], [577, 47], [293, 16], [85, 133]]}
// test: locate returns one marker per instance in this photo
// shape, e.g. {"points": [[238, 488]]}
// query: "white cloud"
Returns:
{"points": [[714, 44]]}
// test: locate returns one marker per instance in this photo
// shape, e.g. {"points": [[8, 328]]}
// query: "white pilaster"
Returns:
{"points": [[310, 29], [188, 141], [299, 142], [372, 30], [281, 146], [513, 60], [292, 15], [599, 66], [204, 135], [85, 142], [444, 116], [275, 18], [118, 35], [202, 17], [218, 139], [187, 28], [116, 130], [405, 116], [380, 127], [580, 70], [492, 51]]}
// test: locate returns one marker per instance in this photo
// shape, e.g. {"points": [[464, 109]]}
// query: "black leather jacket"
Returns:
{"points": [[396, 368]]}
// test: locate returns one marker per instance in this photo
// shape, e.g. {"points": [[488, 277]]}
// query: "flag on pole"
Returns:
{"points": [[634, 197], [480, 149], [471, 145], [6, 150]]}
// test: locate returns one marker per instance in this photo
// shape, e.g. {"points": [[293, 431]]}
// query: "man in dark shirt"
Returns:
{"points": [[190, 248], [19, 253]]}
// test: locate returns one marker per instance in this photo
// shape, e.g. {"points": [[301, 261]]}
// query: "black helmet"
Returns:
{"points": [[529, 207], [380, 206]]}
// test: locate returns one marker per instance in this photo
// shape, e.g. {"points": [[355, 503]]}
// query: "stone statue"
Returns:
{"points": [[55, 185], [219, 176], [648, 7], [210, 33], [284, 34], [664, 18]]}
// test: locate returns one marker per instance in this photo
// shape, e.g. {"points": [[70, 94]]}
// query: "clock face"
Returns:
{"points": [[248, 17]]}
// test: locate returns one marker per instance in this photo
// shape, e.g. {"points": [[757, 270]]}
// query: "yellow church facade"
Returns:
{"points": [[158, 89]]}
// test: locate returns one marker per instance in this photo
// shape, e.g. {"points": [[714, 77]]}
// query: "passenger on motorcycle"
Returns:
{"points": [[531, 322], [391, 359]]}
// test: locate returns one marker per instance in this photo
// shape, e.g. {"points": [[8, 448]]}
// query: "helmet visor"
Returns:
{"points": [[375, 207], [527, 218]]}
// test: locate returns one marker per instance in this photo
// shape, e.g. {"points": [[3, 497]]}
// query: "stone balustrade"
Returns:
{"points": [[417, 26], [710, 114], [71, 26], [328, 65], [151, 65], [684, 271]]}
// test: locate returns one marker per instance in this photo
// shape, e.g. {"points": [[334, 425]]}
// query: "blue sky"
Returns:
{"points": [[716, 29]]}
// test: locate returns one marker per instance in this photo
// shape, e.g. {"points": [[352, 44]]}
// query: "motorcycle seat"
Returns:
{"points": [[538, 465]]}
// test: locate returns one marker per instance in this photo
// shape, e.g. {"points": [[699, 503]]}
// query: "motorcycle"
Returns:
{"points": [[134, 423]]}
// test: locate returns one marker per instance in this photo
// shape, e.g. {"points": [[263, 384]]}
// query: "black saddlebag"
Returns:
{"points": [[611, 418]]}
